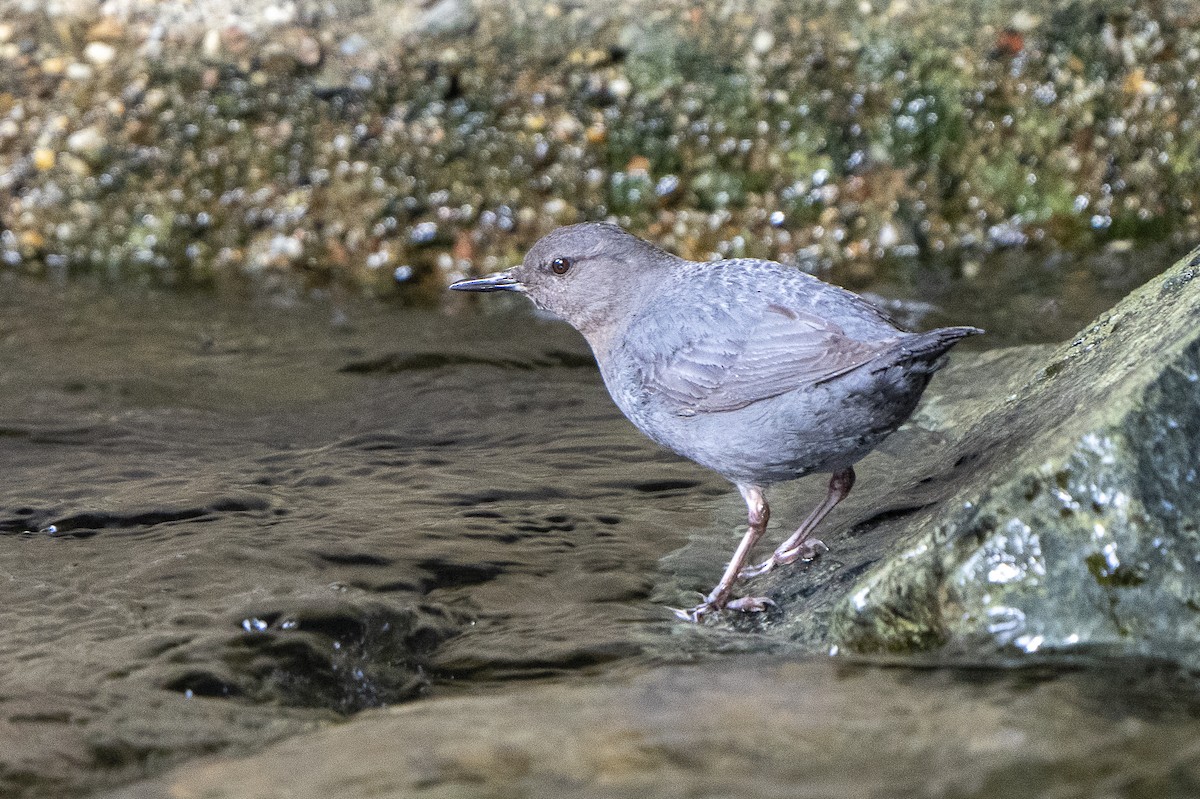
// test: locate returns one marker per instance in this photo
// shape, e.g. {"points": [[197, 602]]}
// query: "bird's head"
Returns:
{"points": [[593, 275]]}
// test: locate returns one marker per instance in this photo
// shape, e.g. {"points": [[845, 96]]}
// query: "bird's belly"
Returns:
{"points": [[819, 429]]}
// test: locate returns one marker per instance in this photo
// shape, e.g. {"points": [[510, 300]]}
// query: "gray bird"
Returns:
{"points": [[756, 370]]}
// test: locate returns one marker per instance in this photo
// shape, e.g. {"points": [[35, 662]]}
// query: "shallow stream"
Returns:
{"points": [[223, 521]]}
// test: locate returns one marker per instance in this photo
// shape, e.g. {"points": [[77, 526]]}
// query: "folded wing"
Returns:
{"points": [[723, 362]]}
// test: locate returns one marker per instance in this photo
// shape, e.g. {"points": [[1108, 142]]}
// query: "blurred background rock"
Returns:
{"points": [[388, 146]]}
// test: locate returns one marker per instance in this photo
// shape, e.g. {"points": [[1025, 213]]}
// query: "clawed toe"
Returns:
{"points": [[808, 551], [696, 614], [752, 604]]}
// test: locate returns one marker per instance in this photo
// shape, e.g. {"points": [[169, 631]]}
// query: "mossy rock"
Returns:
{"points": [[1070, 518]]}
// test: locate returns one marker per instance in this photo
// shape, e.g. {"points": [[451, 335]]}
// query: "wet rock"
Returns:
{"points": [[1059, 507], [741, 728]]}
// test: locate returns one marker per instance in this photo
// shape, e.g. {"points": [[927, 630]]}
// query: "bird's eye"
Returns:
{"points": [[559, 266]]}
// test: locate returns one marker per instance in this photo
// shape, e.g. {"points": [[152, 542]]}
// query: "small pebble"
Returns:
{"points": [[44, 158], [99, 53]]}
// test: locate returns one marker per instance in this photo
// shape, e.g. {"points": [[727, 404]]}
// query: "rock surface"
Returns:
{"points": [[1053, 506]]}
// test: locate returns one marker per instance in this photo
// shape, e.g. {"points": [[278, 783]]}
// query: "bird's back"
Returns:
{"points": [[742, 283]]}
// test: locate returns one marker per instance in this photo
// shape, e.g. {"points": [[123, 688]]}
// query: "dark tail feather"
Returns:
{"points": [[927, 349]]}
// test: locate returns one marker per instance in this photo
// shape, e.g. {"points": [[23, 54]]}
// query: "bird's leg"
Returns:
{"points": [[798, 546], [759, 513]]}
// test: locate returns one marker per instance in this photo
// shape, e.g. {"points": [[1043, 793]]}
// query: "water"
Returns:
{"points": [[1017, 296], [223, 522], [222, 500]]}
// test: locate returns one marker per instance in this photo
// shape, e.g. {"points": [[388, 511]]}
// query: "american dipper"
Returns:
{"points": [[758, 371]]}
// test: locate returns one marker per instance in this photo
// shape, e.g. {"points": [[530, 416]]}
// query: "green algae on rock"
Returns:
{"points": [[1076, 523]]}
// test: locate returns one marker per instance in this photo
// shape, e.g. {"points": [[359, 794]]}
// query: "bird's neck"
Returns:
{"points": [[604, 319], [601, 330]]}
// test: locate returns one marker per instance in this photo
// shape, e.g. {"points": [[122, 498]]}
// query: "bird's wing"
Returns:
{"points": [[727, 360]]}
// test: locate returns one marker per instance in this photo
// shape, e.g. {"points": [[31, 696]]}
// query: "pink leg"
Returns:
{"points": [[798, 546], [718, 598]]}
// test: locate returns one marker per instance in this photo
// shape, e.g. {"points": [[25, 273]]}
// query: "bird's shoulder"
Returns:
{"points": [[751, 281], [737, 298]]}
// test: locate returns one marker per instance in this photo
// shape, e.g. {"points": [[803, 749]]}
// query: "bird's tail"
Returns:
{"points": [[927, 349]]}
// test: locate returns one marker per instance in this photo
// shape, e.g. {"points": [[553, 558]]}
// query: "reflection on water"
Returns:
{"points": [[209, 505]]}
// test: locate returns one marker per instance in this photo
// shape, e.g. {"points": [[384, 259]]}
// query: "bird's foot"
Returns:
{"points": [[806, 551], [695, 615], [746, 604]]}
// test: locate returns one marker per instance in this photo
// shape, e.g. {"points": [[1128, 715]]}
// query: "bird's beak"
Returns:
{"points": [[497, 281]]}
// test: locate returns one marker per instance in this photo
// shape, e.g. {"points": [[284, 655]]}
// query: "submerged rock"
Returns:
{"points": [[1064, 510], [746, 727]]}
